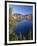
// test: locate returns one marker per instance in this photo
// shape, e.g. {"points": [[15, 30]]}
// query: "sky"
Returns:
{"points": [[22, 9]]}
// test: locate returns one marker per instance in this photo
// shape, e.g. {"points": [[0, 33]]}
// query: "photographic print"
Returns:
{"points": [[20, 20]]}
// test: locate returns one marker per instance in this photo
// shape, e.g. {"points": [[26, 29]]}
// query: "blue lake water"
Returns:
{"points": [[23, 27]]}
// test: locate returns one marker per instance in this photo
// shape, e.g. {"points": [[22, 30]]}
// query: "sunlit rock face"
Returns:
{"points": [[19, 17], [24, 27]]}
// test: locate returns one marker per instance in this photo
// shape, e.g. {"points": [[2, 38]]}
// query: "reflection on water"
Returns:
{"points": [[23, 27]]}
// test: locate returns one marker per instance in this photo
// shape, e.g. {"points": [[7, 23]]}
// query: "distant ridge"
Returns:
{"points": [[20, 14]]}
